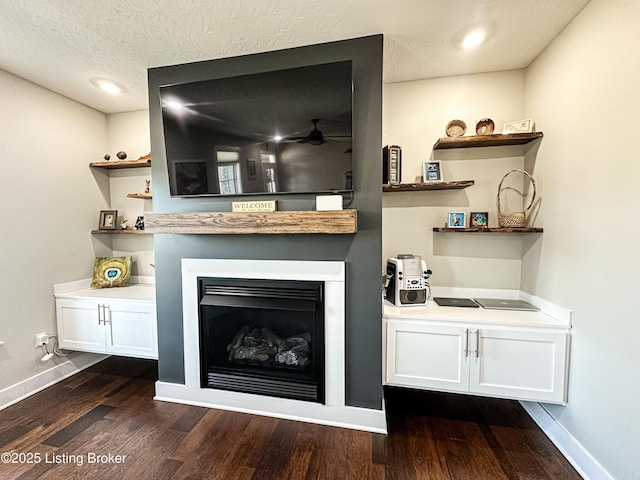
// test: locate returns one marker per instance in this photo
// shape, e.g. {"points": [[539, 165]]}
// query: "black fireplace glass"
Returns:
{"points": [[262, 336]]}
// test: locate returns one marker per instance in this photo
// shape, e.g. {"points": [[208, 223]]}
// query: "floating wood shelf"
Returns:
{"points": [[495, 140], [282, 222], [113, 164], [488, 230], [428, 186], [146, 196], [119, 232]]}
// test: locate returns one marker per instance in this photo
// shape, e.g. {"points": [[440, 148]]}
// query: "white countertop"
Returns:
{"points": [[144, 291], [434, 312]]}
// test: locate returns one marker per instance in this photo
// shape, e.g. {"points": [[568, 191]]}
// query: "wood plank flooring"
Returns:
{"points": [[104, 424]]}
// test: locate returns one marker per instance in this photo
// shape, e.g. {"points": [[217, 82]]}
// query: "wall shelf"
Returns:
{"points": [[281, 222], [119, 232], [488, 230], [115, 164], [144, 161], [428, 186], [146, 196], [495, 140]]}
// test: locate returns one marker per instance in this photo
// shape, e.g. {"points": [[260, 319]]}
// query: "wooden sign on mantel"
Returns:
{"points": [[254, 206]]}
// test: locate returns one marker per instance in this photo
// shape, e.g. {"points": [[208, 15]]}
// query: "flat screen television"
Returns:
{"points": [[274, 132]]}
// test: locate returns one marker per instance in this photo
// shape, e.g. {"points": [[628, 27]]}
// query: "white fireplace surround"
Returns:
{"points": [[334, 411]]}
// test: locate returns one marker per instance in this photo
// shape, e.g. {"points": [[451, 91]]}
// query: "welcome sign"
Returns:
{"points": [[254, 206]]}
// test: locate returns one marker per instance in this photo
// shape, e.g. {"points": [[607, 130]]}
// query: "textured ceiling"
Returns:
{"points": [[64, 45]]}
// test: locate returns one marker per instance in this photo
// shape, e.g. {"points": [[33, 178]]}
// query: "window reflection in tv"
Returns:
{"points": [[283, 131]]}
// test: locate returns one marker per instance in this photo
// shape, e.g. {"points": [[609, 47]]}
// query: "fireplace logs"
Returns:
{"points": [[262, 345], [237, 340]]}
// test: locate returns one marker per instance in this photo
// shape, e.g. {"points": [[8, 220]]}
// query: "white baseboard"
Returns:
{"points": [[42, 380], [336, 416], [573, 451]]}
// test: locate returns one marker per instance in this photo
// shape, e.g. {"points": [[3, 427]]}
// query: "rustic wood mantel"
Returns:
{"points": [[281, 222]]}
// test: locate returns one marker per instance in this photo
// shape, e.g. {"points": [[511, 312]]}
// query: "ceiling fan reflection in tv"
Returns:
{"points": [[315, 136]]}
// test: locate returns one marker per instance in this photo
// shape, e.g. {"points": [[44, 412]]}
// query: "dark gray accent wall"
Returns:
{"points": [[361, 251]]}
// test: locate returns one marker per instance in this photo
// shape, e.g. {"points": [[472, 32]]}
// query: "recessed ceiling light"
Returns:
{"points": [[277, 138], [473, 39], [108, 86]]}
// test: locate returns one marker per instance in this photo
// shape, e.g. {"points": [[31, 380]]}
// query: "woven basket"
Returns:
{"points": [[514, 219]]}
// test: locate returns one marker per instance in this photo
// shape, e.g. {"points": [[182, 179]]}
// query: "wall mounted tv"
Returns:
{"points": [[283, 131]]}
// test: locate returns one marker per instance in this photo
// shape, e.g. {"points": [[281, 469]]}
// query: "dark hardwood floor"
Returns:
{"points": [[104, 424]]}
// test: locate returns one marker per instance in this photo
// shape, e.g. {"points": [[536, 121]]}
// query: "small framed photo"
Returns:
{"points": [[519, 126], [108, 220], [457, 220], [433, 171], [479, 219]]}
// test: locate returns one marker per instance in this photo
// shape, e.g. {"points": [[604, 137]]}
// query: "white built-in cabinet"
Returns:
{"points": [[508, 354], [117, 321], [525, 358]]}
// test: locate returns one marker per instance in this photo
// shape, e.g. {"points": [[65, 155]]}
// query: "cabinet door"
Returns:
{"points": [[78, 327], [131, 329], [427, 356], [519, 364]]}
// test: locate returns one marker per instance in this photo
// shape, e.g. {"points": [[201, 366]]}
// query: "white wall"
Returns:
{"points": [[415, 116], [129, 132], [583, 93], [50, 201]]}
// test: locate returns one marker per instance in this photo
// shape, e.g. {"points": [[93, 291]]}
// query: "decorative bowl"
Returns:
{"points": [[485, 126], [456, 128]]}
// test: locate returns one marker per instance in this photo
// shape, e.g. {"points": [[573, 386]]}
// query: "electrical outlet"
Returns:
{"points": [[42, 339]]}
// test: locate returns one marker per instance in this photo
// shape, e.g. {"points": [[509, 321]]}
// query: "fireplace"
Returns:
{"points": [[262, 336], [330, 369]]}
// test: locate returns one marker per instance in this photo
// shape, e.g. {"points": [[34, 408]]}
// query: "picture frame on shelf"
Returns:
{"points": [[518, 126], [108, 220], [432, 171], [457, 220], [479, 219]]}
